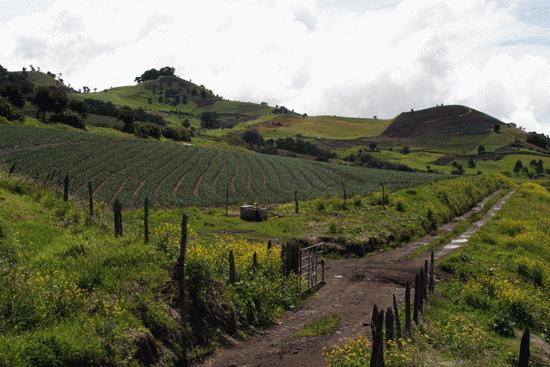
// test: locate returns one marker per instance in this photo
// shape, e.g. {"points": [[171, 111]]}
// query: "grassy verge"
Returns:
{"points": [[326, 324], [444, 237]]}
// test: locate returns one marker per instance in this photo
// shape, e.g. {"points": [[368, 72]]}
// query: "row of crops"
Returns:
{"points": [[174, 174]]}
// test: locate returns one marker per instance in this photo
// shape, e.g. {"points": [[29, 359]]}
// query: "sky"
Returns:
{"points": [[336, 57]]}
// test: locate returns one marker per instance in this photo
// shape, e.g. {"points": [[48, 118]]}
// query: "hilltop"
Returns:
{"points": [[454, 119]]}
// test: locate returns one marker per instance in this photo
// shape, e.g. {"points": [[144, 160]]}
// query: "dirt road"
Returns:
{"points": [[353, 287]]}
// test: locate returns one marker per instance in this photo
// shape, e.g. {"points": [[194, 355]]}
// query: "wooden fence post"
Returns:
{"points": [[227, 198], [12, 170], [389, 325], [383, 197], [179, 273], [408, 307], [344, 193], [416, 298], [524, 349], [426, 283], [255, 263], [232, 269], [117, 210], [90, 200], [146, 220], [66, 188], [421, 291], [397, 319], [432, 279]]}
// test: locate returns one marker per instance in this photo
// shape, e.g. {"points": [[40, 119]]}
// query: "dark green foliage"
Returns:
{"points": [[50, 99], [524, 349], [398, 333], [481, 150], [407, 308], [147, 130], [368, 160], [405, 150], [176, 134], [153, 74], [539, 140], [232, 268], [253, 137], [69, 118], [300, 146], [296, 203], [518, 167], [11, 170], [280, 110], [209, 120], [79, 107], [8, 111]]}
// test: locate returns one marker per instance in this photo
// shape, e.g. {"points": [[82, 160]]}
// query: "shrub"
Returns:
{"points": [[69, 118]]}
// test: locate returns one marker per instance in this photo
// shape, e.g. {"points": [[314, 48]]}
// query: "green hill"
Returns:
{"points": [[441, 120]]}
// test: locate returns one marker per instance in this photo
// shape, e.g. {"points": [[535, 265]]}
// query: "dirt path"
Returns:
{"points": [[353, 287]]}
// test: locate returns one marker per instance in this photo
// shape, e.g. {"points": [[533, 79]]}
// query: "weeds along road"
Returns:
{"points": [[353, 287]]}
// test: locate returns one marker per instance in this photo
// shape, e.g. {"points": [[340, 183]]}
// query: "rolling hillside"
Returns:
{"points": [[174, 174], [455, 119]]}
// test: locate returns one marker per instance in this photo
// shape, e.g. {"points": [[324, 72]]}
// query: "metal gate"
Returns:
{"points": [[312, 267]]}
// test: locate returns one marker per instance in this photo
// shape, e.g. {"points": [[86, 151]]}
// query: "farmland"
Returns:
{"points": [[174, 174]]}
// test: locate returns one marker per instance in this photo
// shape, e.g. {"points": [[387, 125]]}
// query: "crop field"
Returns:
{"points": [[175, 174]]}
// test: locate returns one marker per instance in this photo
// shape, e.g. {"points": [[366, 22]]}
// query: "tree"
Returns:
{"points": [[496, 128], [126, 115], [153, 74], [471, 163], [373, 147], [13, 94], [209, 120], [481, 150], [539, 168], [405, 150], [518, 168], [252, 136], [50, 99], [79, 107]]}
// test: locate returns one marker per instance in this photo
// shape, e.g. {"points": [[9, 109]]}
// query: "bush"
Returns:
{"points": [[69, 118], [145, 131], [176, 134], [8, 111]]}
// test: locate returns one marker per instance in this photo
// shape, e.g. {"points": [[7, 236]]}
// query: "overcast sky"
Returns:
{"points": [[346, 57]]}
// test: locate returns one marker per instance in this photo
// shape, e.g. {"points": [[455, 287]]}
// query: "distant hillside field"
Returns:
{"points": [[174, 174], [441, 120]]}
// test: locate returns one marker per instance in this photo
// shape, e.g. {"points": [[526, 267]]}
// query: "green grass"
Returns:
{"points": [[326, 324], [173, 174]]}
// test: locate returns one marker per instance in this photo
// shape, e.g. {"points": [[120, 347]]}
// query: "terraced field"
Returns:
{"points": [[174, 174]]}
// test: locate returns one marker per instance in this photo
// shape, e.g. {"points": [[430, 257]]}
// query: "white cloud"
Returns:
{"points": [[321, 56]]}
